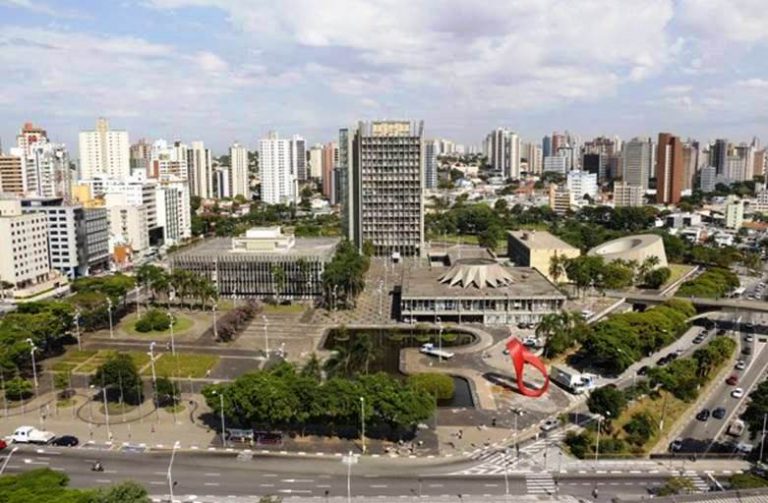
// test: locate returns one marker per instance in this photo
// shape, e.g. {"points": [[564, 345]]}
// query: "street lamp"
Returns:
{"points": [[362, 420], [106, 409], [215, 330], [32, 350], [152, 365], [221, 411], [171, 483], [109, 311], [8, 458], [266, 337], [173, 344], [597, 439], [77, 329], [517, 413]]}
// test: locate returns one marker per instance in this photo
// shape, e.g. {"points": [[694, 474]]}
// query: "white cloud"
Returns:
{"points": [[726, 20], [210, 62], [40, 8]]}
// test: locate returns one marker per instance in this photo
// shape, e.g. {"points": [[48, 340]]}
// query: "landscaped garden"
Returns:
{"points": [[182, 365], [155, 323]]}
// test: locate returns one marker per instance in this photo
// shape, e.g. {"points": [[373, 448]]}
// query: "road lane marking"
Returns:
{"points": [[104, 481], [323, 486], [434, 485], [213, 474], [379, 486], [269, 475], [266, 485], [210, 483], [156, 483]]}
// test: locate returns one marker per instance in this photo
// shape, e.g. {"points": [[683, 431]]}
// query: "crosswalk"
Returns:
{"points": [[699, 483], [496, 461], [540, 483]]}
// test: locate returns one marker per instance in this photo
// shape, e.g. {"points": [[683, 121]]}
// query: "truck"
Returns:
{"points": [[31, 435], [431, 350], [573, 382], [736, 428]]}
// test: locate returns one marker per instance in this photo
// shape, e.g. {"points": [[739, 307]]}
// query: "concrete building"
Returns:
{"points": [[718, 156], [330, 159], [385, 187], [278, 178], [638, 247], [29, 136], [104, 151], [200, 170], [734, 213], [12, 175], [247, 265], [691, 155], [168, 161], [504, 152], [128, 225], [240, 180], [637, 162], [315, 162], [707, 179], [560, 199], [681, 220], [78, 238], [669, 169], [298, 159], [140, 155], [556, 164], [430, 164], [467, 285], [24, 247], [625, 195], [533, 155], [174, 211], [222, 182], [536, 249], [582, 183]]}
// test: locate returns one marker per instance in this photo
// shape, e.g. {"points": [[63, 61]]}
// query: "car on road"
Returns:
{"points": [[737, 393], [3, 444], [643, 370], [719, 413], [748, 338], [662, 361], [698, 339], [741, 365], [65, 441], [721, 331], [550, 424], [678, 352], [703, 415], [676, 445], [732, 380], [747, 350]]}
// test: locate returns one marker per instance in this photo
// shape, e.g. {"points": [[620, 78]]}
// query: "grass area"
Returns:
{"points": [[174, 409], [139, 358], [466, 239], [284, 309], [71, 359], [183, 365], [182, 325], [664, 404], [678, 271], [116, 408]]}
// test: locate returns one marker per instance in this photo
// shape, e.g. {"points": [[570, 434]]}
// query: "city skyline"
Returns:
{"points": [[223, 71]]}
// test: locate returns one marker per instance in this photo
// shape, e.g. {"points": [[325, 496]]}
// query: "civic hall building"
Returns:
{"points": [[468, 284], [263, 262]]}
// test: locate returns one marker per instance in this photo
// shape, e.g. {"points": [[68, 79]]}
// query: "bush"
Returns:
{"points": [[640, 428], [607, 401], [18, 389], [440, 385], [657, 277], [154, 319]]}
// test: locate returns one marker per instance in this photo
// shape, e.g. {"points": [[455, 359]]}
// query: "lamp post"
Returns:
{"points": [[173, 343], [506, 475], [266, 337], [8, 458], [215, 330], [597, 439], [154, 375], [109, 311], [170, 468], [77, 329], [221, 411], [32, 350], [362, 421], [517, 413]]}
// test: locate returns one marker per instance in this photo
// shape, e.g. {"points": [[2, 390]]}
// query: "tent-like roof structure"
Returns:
{"points": [[477, 272]]}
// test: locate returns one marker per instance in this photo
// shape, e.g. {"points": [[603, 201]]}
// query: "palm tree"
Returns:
{"points": [[278, 280], [361, 352], [338, 363], [556, 267]]}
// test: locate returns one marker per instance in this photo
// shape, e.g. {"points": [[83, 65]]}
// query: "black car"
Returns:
{"points": [[643, 370], [747, 350], [718, 413], [698, 339], [703, 415], [721, 331], [65, 441]]}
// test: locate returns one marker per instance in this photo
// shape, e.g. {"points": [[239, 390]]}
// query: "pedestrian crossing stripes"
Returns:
{"points": [[494, 462], [700, 484], [540, 483]]}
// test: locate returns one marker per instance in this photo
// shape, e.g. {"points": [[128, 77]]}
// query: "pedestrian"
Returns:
{"points": [[493, 422]]}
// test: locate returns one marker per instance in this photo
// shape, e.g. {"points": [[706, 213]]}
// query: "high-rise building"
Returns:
{"points": [[238, 159], [546, 146], [430, 164], [29, 136], [532, 153], [168, 162], [669, 169], [45, 165], [128, 225], [174, 212], [690, 163], [734, 213], [637, 162], [582, 183], [558, 141], [560, 199], [200, 170], [134, 193], [315, 162], [625, 194], [278, 178], [330, 158], [504, 152], [556, 164], [707, 179], [740, 162], [298, 158], [24, 247], [12, 174], [759, 163], [341, 176], [385, 184], [222, 178], [718, 155], [140, 156], [104, 151]]}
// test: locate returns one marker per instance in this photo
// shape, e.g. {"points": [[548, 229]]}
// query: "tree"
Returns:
{"points": [[18, 389], [312, 368], [640, 428], [677, 485], [440, 386], [168, 392], [121, 379], [278, 280], [655, 278], [557, 267], [607, 401], [125, 492]]}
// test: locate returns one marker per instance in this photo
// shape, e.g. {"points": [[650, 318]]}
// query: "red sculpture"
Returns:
{"points": [[520, 356]]}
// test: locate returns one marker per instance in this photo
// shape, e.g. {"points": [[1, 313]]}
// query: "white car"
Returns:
{"points": [[741, 365], [737, 393], [550, 424]]}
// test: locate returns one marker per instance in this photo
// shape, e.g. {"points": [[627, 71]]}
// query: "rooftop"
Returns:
{"points": [[303, 247], [540, 240]]}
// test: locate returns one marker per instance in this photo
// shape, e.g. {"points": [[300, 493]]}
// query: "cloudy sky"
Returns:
{"points": [[220, 70]]}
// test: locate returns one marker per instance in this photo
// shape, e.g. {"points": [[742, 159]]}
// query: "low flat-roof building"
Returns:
{"points": [[536, 249], [264, 262], [467, 284]]}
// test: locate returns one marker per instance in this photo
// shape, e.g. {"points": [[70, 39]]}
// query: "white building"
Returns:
{"points": [[278, 178], [707, 179], [299, 157], [238, 159], [581, 184], [136, 193], [200, 170], [168, 161], [128, 224], [104, 151], [223, 178], [24, 247], [316, 162], [503, 149], [638, 162], [174, 212], [734, 213], [556, 164], [625, 194]]}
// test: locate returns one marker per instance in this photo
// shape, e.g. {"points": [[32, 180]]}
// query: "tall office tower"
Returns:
{"points": [[597, 153], [24, 247], [278, 179], [341, 189], [430, 163], [222, 182], [595, 163], [625, 194], [669, 169], [12, 174], [298, 159], [174, 212], [533, 155], [315, 162], [707, 178], [558, 141], [759, 163], [238, 159], [104, 151], [385, 183], [47, 171], [200, 170], [740, 162], [140, 156], [556, 164], [504, 152], [168, 162], [29, 136], [637, 162], [546, 146], [330, 158], [690, 163], [718, 155]]}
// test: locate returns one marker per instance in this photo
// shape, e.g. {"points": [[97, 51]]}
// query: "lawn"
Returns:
{"points": [[465, 239], [678, 271], [71, 359], [284, 309], [182, 325], [182, 365], [139, 359], [665, 403]]}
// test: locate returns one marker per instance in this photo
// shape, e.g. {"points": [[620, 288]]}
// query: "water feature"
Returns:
{"points": [[462, 395]]}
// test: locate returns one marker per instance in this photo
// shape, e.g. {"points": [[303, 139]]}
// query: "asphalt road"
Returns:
{"points": [[203, 474], [699, 436]]}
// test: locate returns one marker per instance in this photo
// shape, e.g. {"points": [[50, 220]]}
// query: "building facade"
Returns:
{"points": [[104, 151], [238, 159], [637, 162], [200, 170], [626, 195], [24, 247], [669, 169], [278, 178], [582, 183], [536, 249], [12, 174], [330, 160], [503, 148]]}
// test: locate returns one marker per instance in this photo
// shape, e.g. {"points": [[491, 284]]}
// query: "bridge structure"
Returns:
{"points": [[702, 304]]}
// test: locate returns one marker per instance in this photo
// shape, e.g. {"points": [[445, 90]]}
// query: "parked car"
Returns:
{"points": [[65, 441], [732, 380], [747, 350], [748, 338], [737, 393], [721, 331], [676, 445], [643, 370], [698, 339], [3, 444], [703, 415], [719, 413], [550, 424], [741, 365], [662, 361]]}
